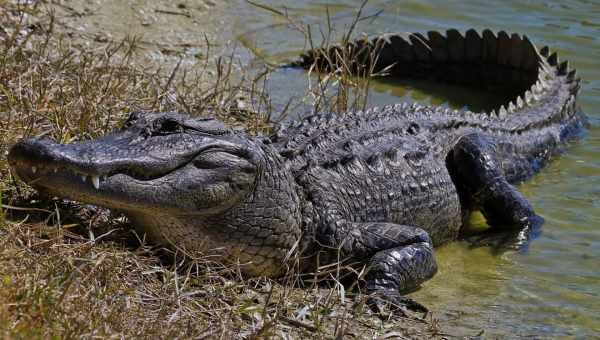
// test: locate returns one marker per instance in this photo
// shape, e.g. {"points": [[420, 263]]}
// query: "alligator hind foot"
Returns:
{"points": [[400, 258], [482, 185]]}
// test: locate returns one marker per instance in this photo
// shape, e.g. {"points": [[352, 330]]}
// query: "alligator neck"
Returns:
{"points": [[268, 224]]}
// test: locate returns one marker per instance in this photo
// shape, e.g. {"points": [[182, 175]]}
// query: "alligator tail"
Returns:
{"points": [[543, 90]]}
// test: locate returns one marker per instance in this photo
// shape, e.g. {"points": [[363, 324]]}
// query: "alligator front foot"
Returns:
{"points": [[385, 302], [399, 270], [400, 258], [507, 239]]}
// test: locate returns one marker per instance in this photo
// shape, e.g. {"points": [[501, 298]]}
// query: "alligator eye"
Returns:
{"points": [[166, 125]]}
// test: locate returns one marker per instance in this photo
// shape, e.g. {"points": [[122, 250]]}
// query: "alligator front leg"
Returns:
{"points": [[399, 270], [400, 258], [482, 185]]}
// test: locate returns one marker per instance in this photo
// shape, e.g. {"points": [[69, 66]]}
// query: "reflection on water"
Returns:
{"points": [[551, 290], [456, 97]]}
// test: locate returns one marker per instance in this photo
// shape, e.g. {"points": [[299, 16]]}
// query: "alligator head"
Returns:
{"points": [[156, 161], [189, 181]]}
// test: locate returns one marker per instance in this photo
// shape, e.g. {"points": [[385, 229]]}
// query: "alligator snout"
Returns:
{"points": [[38, 156], [31, 152]]}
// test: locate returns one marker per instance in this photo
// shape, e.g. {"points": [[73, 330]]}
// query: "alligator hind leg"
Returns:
{"points": [[478, 176], [400, 259]]}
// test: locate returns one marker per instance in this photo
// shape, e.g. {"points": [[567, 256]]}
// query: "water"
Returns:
{"points": [[553, 289]]}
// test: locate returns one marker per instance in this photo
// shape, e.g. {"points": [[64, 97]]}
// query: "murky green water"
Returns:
{"points": [[553, 289]]}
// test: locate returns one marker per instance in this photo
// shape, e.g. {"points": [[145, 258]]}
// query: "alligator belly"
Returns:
{"points": [[210, 245]]}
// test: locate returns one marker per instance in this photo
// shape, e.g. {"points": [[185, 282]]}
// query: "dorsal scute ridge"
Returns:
{"points": [[543, 79], [362, 128], [555, 83]]}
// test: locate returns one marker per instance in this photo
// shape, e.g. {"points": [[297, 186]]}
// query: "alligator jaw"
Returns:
{"points": [[69, 171], [40, 174], [40, 161]]}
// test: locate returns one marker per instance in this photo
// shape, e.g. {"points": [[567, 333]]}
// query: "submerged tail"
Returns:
{"points": [[542, 89]]}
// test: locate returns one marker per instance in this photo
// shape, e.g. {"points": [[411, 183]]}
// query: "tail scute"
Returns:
{"points": [[492, 60]]}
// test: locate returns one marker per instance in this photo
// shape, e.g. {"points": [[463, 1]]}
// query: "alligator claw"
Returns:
{"points": [[384, 303]]}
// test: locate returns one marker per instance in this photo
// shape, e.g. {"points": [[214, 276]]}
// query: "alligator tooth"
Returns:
{"points": [[33, 169], [55, 170], [96, 182], [83, 177], [104, 177]]}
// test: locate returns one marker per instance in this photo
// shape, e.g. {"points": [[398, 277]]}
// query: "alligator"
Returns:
{"points": [[381, 187]]}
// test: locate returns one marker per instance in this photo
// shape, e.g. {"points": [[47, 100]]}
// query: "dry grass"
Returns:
{"points": [[68, 270], [339, 73]]}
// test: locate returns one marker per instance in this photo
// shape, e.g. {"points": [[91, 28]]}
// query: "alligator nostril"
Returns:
{"points": [[29, 149]]}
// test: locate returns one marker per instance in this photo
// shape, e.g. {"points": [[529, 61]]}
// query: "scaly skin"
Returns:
{"points": [[382, 186]]}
